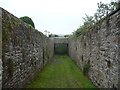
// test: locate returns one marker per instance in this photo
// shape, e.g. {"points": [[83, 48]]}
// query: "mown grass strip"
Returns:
{"points": [[61, 72]]}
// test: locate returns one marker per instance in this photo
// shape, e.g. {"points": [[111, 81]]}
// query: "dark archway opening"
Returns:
{"points": [[61, 48]]}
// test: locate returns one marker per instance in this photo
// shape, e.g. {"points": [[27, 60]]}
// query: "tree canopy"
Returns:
{"points": [[28, 20], [89, 21]]}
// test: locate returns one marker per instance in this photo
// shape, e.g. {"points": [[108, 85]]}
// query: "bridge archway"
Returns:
{"points": [[60, 45], [61, 48]]}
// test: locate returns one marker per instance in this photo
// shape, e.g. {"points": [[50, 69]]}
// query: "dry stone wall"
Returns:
{"points": [[24, 51], [100, 48], [62, 40]]}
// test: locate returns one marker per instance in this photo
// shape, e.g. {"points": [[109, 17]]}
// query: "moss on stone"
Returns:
{"points": [[86, 68], [11, 66], [107, 20]]}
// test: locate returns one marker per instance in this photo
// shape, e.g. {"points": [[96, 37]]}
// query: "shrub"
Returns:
{"points": [[28, 20], [33, 61]]}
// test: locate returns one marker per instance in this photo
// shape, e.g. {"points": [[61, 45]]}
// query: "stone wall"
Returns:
{"points": [[24, 51], [100, 48], [60, 40], [0, 48]]}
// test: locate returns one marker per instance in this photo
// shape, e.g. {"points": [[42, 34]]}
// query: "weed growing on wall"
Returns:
{"points": [[86, 69], [33, 61], [107, 20], [11, 67]]}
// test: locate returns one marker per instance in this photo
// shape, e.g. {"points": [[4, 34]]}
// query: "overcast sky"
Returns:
{"points": [[56, 16]]}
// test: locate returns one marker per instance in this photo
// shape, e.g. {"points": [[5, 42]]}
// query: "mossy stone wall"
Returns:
{"points": [[25, 51], [99, 51]]}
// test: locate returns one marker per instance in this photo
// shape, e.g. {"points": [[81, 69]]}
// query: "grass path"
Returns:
{"points": [[61, 72]]}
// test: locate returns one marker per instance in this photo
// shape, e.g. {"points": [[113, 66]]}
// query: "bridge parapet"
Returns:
{"points": [[63, 40]]}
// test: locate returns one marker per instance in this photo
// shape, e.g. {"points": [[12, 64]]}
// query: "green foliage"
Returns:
{"points": [[11, 67], [56, 36], [50, 35], [107, 19], [33, 61], [28, 20], [45, 53], [104, 9], [66, 35], [53, 35], [90, 21], [86, 68]]}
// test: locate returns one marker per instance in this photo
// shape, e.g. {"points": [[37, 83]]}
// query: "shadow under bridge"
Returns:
{"points": [[60, 45]]}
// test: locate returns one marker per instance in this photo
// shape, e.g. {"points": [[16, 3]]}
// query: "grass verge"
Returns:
{"points": [[61, 72]]}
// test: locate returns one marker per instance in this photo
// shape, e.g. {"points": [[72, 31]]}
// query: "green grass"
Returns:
{"points": [[61, 72]]}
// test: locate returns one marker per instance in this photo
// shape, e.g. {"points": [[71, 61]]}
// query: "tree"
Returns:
{"points": [[56, 35], [28, 20], [102, 12], [114, 5], [88, 21], [104, 9]]}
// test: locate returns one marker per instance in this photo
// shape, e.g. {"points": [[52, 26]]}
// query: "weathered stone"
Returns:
{"points": [[102, 49], [24, 51], [0, 48]]}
